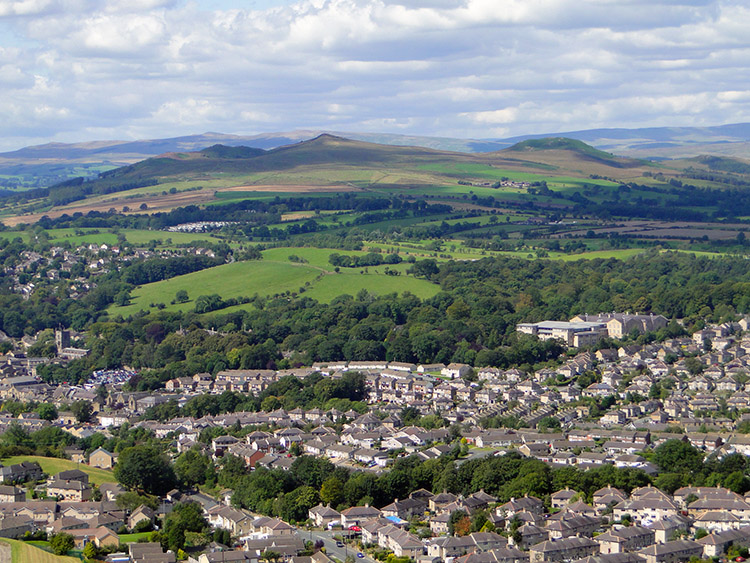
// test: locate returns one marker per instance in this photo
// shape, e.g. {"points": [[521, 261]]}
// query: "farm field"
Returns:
{"points": [[330, 287], [22, 552], [229, 280], [315, 277], [77, 237], [620, 254], [276, 274], [317, 257], [53, 465]]}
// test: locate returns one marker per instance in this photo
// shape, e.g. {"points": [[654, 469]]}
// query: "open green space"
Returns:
{"points": [[134, 538], [53, 465], [141, 236], [485, 171], [620, 253], [330, 287], [274, 275], [229, 280], [77, 237], [22, 552], [317, 257]]}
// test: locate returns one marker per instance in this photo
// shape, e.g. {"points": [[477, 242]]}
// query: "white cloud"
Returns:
{"points": [[23, 7], [75, 69]]}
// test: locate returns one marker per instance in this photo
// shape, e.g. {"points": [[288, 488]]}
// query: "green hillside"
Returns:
{"points": [[309, 272], [53, 465], [22, 552], [557, 143]]}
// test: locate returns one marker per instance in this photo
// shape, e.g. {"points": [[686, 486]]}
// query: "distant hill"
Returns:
{"points": [[570, 149], [44, 165], [325, 151], [331, 164], [662, 142]]}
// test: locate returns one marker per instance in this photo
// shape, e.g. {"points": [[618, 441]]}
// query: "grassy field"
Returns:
{"points": [[230, 280], [53, 465], [276, 274], [141, 236], [332, 286], [25, 553], [317, 257], [77, 237], [621, 254]]}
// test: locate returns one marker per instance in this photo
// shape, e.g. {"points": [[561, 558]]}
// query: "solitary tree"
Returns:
{"points": [[61, 543]]}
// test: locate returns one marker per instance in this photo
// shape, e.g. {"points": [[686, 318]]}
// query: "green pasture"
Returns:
{"points": [[143, 236], [317, 257], [53, 465], [491, 173], [229, 280], [331, 286], [276, 274], [706, 254], [22, 552], [80, 236], [479, 220], [25, 236], [619, 253], [485, 171]]}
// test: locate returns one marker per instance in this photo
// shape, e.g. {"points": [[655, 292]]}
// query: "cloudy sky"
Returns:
{"points": [[79, 70]]}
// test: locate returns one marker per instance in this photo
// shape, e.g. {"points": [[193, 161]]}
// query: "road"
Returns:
{"points": [[339, 553]]}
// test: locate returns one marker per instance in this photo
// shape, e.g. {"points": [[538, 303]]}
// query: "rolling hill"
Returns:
{"points": [[44, 165], [333, 152], [329, 164]]}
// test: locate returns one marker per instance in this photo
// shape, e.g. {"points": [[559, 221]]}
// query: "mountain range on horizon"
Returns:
{"points": [[42, 165]]}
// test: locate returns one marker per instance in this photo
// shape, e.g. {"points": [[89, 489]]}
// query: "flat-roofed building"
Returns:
{"points": [[574, 334]]}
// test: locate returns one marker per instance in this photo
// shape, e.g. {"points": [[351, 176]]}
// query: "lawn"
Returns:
{"points": [[53, 465], [134, 538], [25, 553]]}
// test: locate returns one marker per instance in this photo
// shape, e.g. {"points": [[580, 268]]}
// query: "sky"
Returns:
{"points": [[83, 70]]}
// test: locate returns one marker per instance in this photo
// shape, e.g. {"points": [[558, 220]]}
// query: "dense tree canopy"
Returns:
{"points": [[146, 469]]}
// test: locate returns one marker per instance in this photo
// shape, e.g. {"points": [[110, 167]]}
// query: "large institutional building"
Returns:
{"points": [[585, 330]]}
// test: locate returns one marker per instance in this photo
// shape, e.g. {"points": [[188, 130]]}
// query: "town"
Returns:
{"points": [[611, 408]]}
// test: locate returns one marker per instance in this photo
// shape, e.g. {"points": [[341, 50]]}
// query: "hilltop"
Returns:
{"points": [[326, 163], [44, 165], [575, 174]]}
